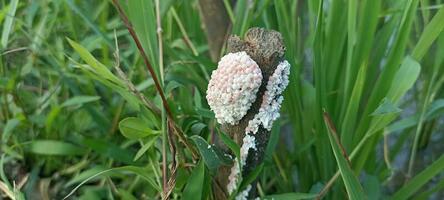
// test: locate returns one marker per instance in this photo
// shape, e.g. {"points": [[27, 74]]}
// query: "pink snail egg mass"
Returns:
{"points": [[233, 87]]}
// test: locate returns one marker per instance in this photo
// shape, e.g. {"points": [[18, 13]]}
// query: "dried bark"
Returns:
{"points": [[267, 49]]}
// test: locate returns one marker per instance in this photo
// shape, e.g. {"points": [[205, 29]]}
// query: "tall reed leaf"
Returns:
{"points": [[354, 188]]}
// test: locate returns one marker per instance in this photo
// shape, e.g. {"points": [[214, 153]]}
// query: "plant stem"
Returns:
{"points": [[143, 54], [428, 98], [164, 130]]}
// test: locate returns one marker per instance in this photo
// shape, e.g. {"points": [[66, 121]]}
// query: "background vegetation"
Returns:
{"points": [[366, 76]]}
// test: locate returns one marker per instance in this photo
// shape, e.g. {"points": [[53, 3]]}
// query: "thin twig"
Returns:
{"points": [[143, 54], [352, 155], [14, 50], [327, 186]]}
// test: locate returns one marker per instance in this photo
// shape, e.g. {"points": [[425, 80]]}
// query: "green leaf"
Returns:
{"points": [[230, 143], [3, 12], [205, 113], [93, 173], [430, 33], [431, 191], [89, 22], [352, 109], [435, 107], [404, 79], [212, 157], [291, 196], [145, 147], [432, 113], [124, 194], [351, 182], [85, 175], [145, 172], [372, 187], [386, 107], [419, 180], [198, 127], [272, 142], [171, 86], [194, 187], [7, 130], [7, 26], [79, 100], [54, 147], [100, 72], [98, 67], [142, 16], [197, 98], [243, 16], [135, 128]]}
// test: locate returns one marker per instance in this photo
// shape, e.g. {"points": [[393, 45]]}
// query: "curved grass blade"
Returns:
{"points": [[419, 180], [53, 147], [194, 188], [142, 172], [291, 196], [351, 182], [431, 32]]}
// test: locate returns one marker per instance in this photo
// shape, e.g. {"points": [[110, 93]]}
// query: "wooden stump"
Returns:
{"points": [[267, 49]]}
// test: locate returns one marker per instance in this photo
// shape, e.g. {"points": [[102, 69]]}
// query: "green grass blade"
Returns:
{"points": [[230, 143], [94, 63], [291, 196], [351, 182], [194, 188], [79, 100], [142, 17], [319, 82], [352, 111], [7, 26], [89, 22], [431, 32], [98, 172], [145, 147], [404, 79], [426, 194], [53, 147], [419, 180], [381, 87], [351, 41], [242, 12]]}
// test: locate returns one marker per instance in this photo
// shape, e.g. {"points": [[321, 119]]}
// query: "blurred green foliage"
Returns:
{"points": [[70, 125]]}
